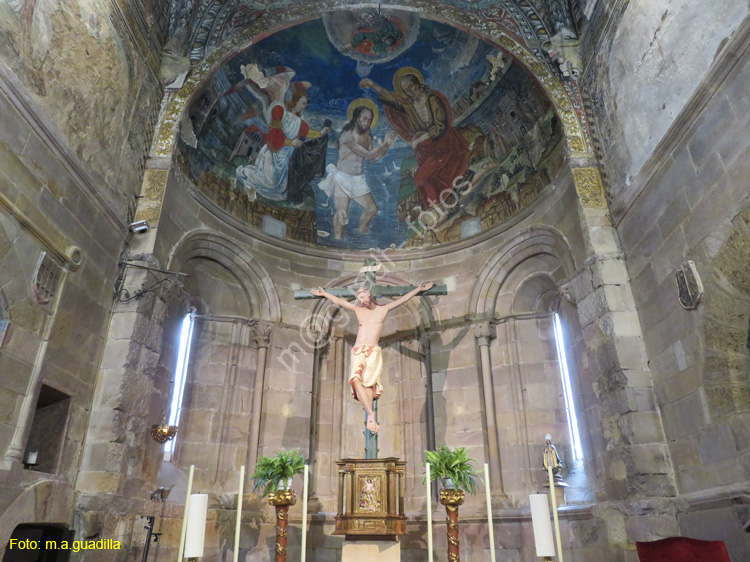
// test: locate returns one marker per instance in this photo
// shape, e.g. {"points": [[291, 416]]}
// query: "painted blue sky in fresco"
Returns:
{"points": [[449, 59]]}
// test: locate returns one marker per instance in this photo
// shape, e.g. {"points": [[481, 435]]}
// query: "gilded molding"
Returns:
{"points": [[589, 187], [573, 128]]}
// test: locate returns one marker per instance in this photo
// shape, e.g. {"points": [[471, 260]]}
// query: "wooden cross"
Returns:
{"points": [[370, 269]]}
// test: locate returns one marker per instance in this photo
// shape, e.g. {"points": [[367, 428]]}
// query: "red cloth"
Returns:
{"points": [[439, 160], [682, 549]]}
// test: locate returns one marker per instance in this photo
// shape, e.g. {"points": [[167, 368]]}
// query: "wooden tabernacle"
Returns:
{"points": [[371, 497]]}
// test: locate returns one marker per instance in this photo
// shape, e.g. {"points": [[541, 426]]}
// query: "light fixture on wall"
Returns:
{"points": [[123, 295], [163, 432]]}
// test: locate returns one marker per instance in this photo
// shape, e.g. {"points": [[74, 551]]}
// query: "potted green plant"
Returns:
{"points": [[454, 469], [275, 475]]}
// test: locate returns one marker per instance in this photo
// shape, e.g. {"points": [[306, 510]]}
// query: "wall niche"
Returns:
{"points": [[48, 428]]}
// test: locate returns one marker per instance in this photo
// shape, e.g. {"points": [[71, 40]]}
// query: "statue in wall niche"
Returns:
{"points": [[552, 459], [367, 359]]}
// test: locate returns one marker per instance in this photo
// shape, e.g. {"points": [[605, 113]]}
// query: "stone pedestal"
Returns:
{"points": [[361, 550], [559, 492]]}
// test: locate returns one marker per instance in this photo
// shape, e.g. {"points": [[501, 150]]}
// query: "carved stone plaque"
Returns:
{"points": [[689, 286]]}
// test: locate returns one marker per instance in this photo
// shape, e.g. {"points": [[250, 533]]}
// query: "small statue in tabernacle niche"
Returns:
{"points": [[368, 500]]}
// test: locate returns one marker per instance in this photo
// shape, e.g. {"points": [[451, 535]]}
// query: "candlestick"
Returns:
{"points": [[554, 512], [304, 513], [239, 516], [429, 511], [489, 511], [184, 516], [543, 540], [196, 526]]}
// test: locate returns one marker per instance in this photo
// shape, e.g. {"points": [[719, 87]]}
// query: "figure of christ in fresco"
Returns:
{"points": [[423, 117], [367, 358], [270, 174], [345, 179]]}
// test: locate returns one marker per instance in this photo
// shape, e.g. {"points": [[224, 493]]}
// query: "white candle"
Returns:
{"points": [[304, 513], [31, 457], [489, 511], [184, 515], [429, 511], [196, 526], [237, 524], [545, 544]]}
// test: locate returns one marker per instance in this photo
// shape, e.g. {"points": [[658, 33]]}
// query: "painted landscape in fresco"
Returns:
{"points": [[372, 130]]}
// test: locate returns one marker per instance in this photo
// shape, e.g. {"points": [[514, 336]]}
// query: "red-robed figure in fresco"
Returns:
{"points": [[422, 117]]}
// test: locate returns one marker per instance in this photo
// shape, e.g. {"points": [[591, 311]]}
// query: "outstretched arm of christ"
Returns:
{"points": [[320, 292], [410, 295]]}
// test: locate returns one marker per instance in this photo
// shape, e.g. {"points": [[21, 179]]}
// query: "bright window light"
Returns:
{"points": [[180, 375], [575, 437]]}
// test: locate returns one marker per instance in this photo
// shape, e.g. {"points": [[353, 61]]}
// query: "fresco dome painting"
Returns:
{"points": [[369, 129]]}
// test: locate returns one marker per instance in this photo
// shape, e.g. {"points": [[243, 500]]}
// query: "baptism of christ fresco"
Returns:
{"points": [[453, 145]]}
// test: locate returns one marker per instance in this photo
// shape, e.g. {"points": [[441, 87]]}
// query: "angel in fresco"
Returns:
{"points": [[346, 180], [271, 174], [423, 117]]}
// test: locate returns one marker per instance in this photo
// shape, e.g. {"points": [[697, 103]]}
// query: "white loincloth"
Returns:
{"points": [[352, 186]]}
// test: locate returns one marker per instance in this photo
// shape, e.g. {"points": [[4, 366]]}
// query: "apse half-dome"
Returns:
{"points": [[457, 137]]}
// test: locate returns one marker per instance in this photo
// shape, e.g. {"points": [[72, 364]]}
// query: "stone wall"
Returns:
{"points": [[694, 206], [649, 59], [49, 204], [303, 395]]}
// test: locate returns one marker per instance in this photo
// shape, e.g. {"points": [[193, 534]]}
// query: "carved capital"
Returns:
{"points": [[452, 498], [484, 332], [282, 498], [262, 334]]}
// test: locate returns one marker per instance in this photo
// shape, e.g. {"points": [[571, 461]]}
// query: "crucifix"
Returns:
{"points": [[367, 362]]}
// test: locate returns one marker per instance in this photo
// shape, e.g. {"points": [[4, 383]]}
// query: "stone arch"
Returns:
{"points": [[45, 500], [568, 109], [256, 283], [538, 250]]}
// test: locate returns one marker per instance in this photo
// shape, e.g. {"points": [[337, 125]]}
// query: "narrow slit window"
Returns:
{"points": [[575, 437], [180, 376]]}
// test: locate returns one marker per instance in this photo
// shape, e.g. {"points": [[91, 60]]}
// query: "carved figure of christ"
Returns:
{"points": [[365, 377], [366, 358]]}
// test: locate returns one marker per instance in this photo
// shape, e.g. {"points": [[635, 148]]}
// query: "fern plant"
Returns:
{"points": [[271, 471], [453, 464]]}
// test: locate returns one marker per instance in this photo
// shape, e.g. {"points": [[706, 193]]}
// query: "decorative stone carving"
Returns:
{"points": [[689, 286], [262, 334], [589, 187], [484, 332]]}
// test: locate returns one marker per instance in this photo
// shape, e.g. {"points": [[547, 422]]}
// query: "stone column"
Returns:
{"points": [[424, 350], [23, 425], [484, 333], [262, 334]]}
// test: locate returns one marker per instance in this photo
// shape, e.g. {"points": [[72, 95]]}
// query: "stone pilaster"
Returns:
{"points": [[484, 332], [629, 439], [262, 335]]}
